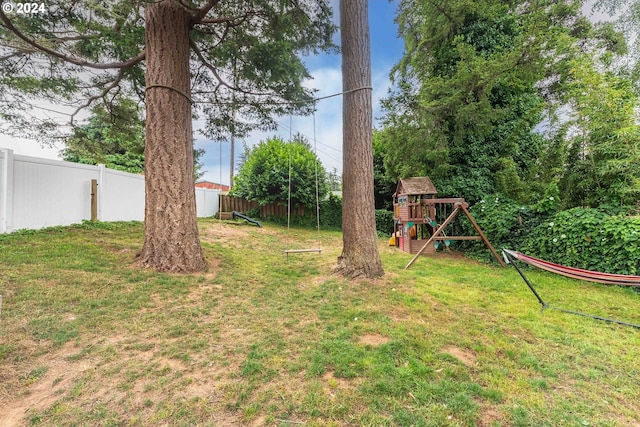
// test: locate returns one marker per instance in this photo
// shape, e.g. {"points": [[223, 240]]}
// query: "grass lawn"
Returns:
{"points": [[88, 338]]}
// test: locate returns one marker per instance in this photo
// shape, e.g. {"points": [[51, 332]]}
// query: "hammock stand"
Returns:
{"points": [[576, 273]]}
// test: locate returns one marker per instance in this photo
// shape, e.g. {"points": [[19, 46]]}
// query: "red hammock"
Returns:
{"points": [[576, 273]]}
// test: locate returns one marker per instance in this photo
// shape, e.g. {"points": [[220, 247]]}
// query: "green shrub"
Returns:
{"points": [[503, 221], [274, 171], [384, 222], [331, 212], [589, 238]]}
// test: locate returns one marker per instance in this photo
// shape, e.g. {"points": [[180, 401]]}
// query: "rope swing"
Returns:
{"points": [[315, 152]]}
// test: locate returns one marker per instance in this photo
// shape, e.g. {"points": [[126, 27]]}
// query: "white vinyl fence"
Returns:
{"points": [[37, 193]]}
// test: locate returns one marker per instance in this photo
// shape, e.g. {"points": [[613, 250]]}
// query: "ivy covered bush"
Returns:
{"points": [[331, 212], [504, 222], [605, 239], [590, 238]]}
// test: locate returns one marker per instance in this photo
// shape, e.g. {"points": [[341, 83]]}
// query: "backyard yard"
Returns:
{"points": [[89, 338]]}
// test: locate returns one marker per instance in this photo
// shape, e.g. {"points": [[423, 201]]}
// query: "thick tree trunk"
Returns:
{"points": [[360, 255], [171, 240]]}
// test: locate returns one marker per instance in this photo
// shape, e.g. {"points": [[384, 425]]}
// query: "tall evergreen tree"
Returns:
{"points": [[177, 56], [360, 256], [471, 88]]}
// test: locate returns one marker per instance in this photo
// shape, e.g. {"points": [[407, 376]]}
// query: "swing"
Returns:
{"points": [[315, 151], [437, 244]]}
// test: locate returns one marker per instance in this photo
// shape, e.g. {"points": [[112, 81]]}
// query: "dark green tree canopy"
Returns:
{"points": [[264, 173], [476, 80], [467, 101], [113, 135], [76, 53]]}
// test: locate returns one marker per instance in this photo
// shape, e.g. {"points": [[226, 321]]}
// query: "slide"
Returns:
{"points": [[235, 215]]}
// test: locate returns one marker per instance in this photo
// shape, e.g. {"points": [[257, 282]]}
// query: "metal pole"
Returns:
{"points": [[511, 261]]}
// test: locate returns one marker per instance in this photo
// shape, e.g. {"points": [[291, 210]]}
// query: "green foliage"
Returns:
{"points": [[467, 98], [504, 222], [265, 173], [114, 136], [602, 156], [550, 203], [331, 212], [625, 15], [472, 87], [603, 239], [383, 185], [384, 222], [247, 50], [334, 180]]}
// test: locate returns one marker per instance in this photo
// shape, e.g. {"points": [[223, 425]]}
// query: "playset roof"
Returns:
{"points": [[415, 186]]}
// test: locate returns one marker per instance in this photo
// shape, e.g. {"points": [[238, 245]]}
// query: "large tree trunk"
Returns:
{"points": [[360, 255], [171, 240]]}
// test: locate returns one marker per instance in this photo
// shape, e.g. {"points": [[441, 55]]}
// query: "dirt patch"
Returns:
{"points": [[489, 417], [43, 392], [226, 233], [373, 340], [466, 357], [225, 230], [260, 421], [332, 384]]}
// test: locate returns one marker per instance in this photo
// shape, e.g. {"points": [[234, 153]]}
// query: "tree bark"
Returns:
{"points": [[360, 256], [171, 241]]}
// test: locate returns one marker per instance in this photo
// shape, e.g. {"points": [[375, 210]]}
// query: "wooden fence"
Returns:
{"points": [[232, 203]]}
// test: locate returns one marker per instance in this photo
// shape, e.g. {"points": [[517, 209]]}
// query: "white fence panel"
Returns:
{"points": [[120, 196], [49, 192], [6, 190], [37, 193], [207, 202]]}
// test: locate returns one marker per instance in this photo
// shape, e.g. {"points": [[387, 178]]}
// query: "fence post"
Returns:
{"points": [[6, 191], [102, 187], [94, 200]]}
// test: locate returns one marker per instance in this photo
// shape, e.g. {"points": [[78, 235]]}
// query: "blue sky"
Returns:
{"points": [[386, 50]]}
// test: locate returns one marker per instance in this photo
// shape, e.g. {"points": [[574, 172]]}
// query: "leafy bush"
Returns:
{"points": [[331, 212], [589, 238], [384, 222], [265, 173], [503, 221]]}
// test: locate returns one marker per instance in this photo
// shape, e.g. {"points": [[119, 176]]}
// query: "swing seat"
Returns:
{"points": [[299, 251]]}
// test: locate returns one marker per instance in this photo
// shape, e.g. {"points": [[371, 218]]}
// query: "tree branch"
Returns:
{"points": [[73, 60], [102, 94], [207, 64], [199, 16], [222, 38], [186, 5], [215, 20]]}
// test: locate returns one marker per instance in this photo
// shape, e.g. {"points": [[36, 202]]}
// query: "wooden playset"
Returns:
{"points": [[416, 215]]}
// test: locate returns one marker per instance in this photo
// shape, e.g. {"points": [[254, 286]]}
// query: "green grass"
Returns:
{"points": [[89, 338]]}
